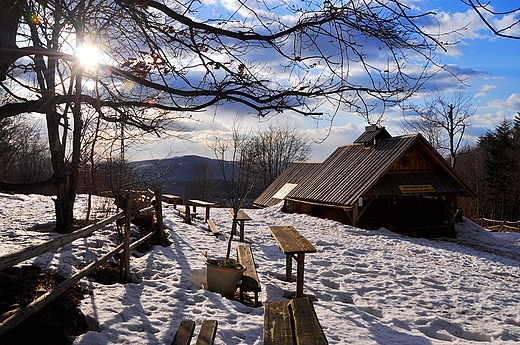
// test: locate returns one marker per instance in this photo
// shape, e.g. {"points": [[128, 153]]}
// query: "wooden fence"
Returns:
{"points": [[14, 317], [499, 225]]}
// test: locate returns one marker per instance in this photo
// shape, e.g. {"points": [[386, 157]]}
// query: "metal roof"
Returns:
{"points": [[354, 171], [295, 172]]}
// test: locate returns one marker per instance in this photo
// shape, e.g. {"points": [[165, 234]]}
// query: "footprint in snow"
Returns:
{"points": [[374, 311], [323, 263], [443, 330], [330, 284]]}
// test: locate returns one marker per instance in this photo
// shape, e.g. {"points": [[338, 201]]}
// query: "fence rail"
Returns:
{"points": [[13, 318], [499, 225]]}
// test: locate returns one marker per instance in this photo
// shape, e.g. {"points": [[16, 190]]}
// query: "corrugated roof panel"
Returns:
{"points": [[294, 173], [350, 170]]}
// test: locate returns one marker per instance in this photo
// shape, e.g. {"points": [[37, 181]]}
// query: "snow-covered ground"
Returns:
{"points": [[370, 287]]}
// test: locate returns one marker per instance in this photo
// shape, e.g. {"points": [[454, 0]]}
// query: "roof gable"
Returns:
{"points": [[353, 170]]}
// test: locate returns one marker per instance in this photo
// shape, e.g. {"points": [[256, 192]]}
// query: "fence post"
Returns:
{"points": [[126, 243], [163, 238]]}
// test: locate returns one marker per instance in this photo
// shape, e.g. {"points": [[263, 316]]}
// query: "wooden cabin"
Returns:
{"points": [[400, 183]]}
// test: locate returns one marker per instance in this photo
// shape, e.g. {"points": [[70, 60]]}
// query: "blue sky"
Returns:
{"points": [[488, 64]]}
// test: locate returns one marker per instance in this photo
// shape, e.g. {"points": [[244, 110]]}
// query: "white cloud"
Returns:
{"points": [[483, 91], [488, 87], [512, 103]]}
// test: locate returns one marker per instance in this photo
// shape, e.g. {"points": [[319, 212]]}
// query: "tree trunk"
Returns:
{"points": [[64, 206], [10, 11]]}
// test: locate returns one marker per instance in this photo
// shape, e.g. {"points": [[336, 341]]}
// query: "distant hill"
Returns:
{"points": [[176, 168], [175, 175]]}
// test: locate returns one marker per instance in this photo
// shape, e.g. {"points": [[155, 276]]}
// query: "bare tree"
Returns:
{"points": [[275, 147], [163, 60], [237, 165], [502, 22], [204, 180], [442, 121], [23, 153]]}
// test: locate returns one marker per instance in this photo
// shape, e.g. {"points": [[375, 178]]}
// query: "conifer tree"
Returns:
{"points": [[500, 168]]}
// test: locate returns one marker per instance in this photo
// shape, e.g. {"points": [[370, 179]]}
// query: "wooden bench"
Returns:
{"points": [[184, 333], [293, 245], [250, 281], [242, 217], [171, 199], [181, 210], [292, 322], [206, 204], [212, 227]]}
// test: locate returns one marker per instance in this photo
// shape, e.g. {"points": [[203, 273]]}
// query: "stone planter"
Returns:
{"points": [[222, 279]]}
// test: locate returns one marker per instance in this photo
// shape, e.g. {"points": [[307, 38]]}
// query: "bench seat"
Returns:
{"points": [[184, 333], [182, 209], [292, 322], [250, 281], [212, 227]]}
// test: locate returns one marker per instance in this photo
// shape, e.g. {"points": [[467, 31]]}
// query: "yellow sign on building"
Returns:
{"points": [[417, 188]]}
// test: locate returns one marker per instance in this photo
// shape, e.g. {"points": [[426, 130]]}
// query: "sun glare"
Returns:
{"points": [[88, 55]]}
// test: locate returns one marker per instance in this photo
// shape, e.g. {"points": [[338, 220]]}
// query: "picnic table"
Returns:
{"points": [[206, 204], [242, 217], [292, 243], [171, 199]]}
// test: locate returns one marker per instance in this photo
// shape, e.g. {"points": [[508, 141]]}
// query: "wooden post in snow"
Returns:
{"points": [[163, 237], [126, 246]]}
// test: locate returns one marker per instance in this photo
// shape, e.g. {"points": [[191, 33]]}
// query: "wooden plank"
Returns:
{"points": [[277, 324], [21, 255], [36, 305], [212, 227], [184, 333], [250, 281], [242, 215], [290, 240], [307, 329], [201, 202], [170, 199], [208, 331], [245, 258]]}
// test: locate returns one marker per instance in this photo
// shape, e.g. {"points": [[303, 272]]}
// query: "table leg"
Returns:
{"points": [[288, 267], [242, 230], [194, 208], [207, 212], [299, 275]]}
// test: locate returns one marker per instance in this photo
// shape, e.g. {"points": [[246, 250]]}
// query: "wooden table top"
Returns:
{"points": [[170, 196], [201, 202], [242, 215], [290, 240]]}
